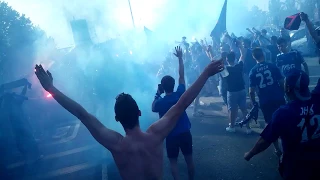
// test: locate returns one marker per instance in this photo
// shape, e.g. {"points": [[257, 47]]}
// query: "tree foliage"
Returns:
{"points": [[279, 9], [17, 43]]}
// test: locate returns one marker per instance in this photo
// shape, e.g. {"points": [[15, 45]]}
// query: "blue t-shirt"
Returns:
{"points": [[288, 61], [162, 105], [266, 76], [298, 125]]}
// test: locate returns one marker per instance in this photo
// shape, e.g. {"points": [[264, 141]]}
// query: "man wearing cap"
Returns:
{"points": [[298, 125]]}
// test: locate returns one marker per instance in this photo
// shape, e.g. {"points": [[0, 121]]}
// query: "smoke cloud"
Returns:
{"points": [[131, 69]]}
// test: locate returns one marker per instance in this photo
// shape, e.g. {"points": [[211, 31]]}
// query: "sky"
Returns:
{"points": [[109, 18]]}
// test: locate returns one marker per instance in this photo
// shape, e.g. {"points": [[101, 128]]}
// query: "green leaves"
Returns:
{"points": [[17, 37]]}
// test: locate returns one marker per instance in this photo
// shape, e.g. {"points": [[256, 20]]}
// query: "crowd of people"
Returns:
{"points": [[237, 68]]}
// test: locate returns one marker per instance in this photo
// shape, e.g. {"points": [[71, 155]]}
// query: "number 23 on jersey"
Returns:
{"points": [[266, 79]]}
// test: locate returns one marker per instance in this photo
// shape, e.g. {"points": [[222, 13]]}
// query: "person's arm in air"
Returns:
{"points": [[178, 54], [182, 87], [270, 134], [163, 126], [250, 31], [243, 52], [106, 137], [304, 17]]}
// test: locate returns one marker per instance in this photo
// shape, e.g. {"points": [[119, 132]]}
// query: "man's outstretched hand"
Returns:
{"points": [[178, 53], [44, 77], [303, 16], [214, 67]]}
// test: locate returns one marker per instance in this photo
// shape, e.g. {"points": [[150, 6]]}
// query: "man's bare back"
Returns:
{"points": [[139, 157]]}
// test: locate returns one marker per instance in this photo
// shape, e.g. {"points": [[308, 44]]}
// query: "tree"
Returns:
{"points": [[17, 43], [258, 16], [308, 6], [275, 9], [290, 7]]}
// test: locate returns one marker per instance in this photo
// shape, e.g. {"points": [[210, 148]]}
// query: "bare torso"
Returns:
{"points": [[140, 158]]}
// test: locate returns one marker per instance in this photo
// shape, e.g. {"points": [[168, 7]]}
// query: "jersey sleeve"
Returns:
{"points": [[181, 89], [273, 130]]}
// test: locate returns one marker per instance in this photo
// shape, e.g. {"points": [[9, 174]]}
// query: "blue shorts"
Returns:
{"points": [[181, 142], [237, 100]]}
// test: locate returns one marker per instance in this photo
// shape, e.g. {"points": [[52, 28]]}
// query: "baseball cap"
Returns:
{"points": [[299, 81]]}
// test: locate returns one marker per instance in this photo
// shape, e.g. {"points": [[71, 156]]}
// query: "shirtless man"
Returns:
{"points": [[138, 155]]}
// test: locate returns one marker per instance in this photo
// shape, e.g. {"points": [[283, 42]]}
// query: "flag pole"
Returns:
{"points": [[131, 14]]}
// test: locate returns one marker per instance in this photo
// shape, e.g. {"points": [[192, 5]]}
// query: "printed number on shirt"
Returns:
{"points": [[314, 127], [265, 79]]}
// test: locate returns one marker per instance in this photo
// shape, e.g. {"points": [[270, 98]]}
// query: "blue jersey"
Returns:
{"points": [[162, 105], [266, 77], [288, 61], [298, 125]]}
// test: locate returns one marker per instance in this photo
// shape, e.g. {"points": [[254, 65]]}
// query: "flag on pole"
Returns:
{"points": [[149, 34], [147, 31], [221, 25]]}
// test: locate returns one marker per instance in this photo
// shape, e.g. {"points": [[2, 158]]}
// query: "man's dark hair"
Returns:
{"points": [[225, 47], [247, 42], [274, 38], [167, 83], [231, 57], [281, 41], [224, 55], [257, 53], [127, 111], [264, 31]]}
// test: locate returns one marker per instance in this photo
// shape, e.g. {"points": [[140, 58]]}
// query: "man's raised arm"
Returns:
{"points": [[178, 54], [304, 17], [106, 137], [163, 127]]}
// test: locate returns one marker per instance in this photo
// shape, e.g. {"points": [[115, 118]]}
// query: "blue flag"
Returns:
{"points": [[221, 25]]}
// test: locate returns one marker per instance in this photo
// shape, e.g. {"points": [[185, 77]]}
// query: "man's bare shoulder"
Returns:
{"points": [[146, 138]]}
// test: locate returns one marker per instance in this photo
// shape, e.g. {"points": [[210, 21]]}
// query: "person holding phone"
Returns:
{"points": [[180, 137]]}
